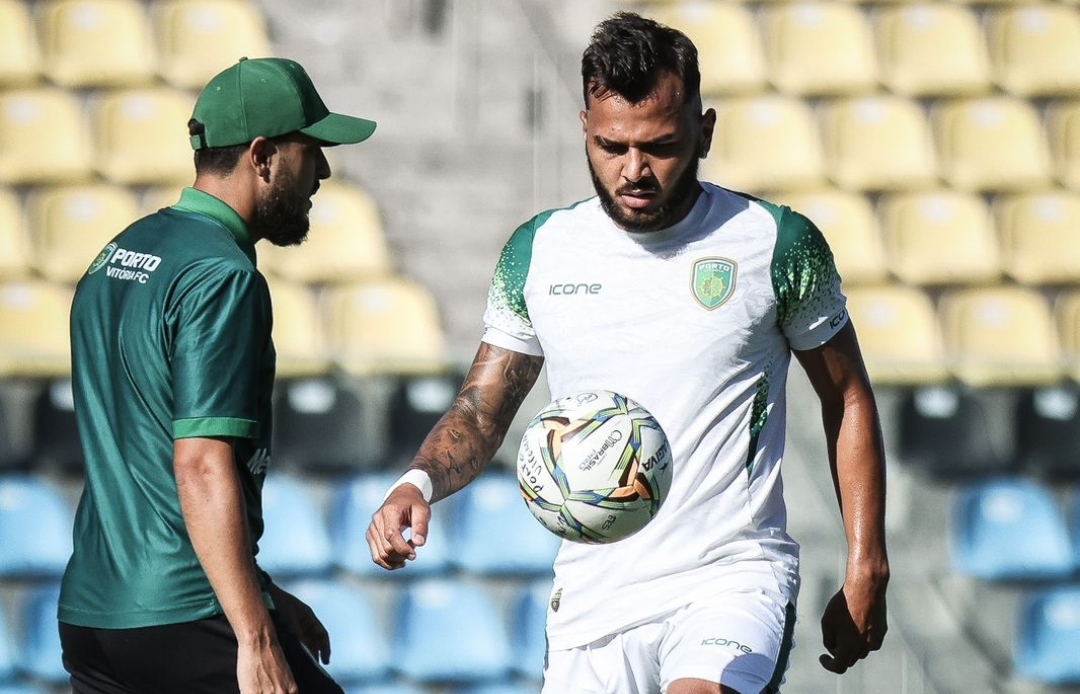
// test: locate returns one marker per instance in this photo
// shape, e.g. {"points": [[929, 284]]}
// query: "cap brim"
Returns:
{"points": [[338, 129]]}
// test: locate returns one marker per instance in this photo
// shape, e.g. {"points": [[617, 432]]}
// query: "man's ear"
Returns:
{"points": [[259, 155]]}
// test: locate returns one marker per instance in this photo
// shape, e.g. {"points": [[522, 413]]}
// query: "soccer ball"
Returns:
{"points": [[594, 467]]}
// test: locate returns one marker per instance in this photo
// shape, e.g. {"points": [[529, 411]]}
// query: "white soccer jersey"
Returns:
{"points": [[696, 323]]}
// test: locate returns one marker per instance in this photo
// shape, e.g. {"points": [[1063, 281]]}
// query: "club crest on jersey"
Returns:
{"points": [[102, 258], [713, 281]]}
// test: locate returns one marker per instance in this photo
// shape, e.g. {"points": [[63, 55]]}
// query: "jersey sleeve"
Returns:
{"points": [[506, 318], [221, 323], [810, 305]]}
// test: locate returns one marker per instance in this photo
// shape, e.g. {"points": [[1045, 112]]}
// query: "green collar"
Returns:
{"points": [[197, 202]]}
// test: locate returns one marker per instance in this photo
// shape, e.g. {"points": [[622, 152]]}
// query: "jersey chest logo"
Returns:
{"points": [[713, 281]]}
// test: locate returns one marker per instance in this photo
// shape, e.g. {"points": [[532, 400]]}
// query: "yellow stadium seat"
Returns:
{"points": [[930, 49], [849, 224], [43, 137], [199, 38], [345, 243], [819, 48], [157, 197], [729, 45], [767, 142], [1000, 336], [899, 334], [34, 333], [991, 144], [875, 143], [1066, 309], [14, 239], [96, 43], [1035, 50], [141, 137], [1040, 236], [384, 326], [20, 61], [939, 237], [298, 334], [70, 225], [1063, 131]]}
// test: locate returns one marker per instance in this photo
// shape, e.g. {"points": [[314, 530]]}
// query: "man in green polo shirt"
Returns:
{"points": [[173, 368]]}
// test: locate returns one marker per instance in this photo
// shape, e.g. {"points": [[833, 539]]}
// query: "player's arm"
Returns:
{"points": [[457, 449], [855, 620], [213, 506]]}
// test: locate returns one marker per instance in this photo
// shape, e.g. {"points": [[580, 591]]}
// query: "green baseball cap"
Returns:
{"points": [[268, 97]]}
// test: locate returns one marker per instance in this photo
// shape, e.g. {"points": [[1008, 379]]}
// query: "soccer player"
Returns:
{"points": [[173, 368], [697, 298]]}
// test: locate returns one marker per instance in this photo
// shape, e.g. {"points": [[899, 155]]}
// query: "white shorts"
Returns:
{"points": [[740, 639]]}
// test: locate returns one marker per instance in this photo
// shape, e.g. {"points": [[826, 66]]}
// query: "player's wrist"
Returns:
{"points": [[419, 479]]}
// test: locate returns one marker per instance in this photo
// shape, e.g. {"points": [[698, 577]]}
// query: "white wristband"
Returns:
{"points": [[418, 478]]}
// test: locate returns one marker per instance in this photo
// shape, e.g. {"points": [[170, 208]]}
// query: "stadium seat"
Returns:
{"points": [[940, 237], [493, 532], [767, 142], [320, 426], [345, 244], [20, 61], [1034, 49], [8, 647], [818, 48], [298, 339], [528, 631], [729, 46], [140, 136], [35, 528], [70, 225], [416, 405], [43, 137], [1047, 420], [392, 687], [351, 507], [931, 49], [361, 648], [41, 655], [430, 644], [155, 198], [55, 444], [14, 239], [878, 142], [1063, 132], [390, 325], [848, 221], [1000, 336], [34, 329], [96, 43], [899, 334], [1008, 529], [1048, 636], [20, 687], [991, 144], [1066, 309], [295, 541], [500, 688], [197, 39], [950, 433], [1040, 236]]}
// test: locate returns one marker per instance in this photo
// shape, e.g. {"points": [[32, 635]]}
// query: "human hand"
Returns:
{"points": [[261, 669], [301, 619], [405, 507], [854, 623]]}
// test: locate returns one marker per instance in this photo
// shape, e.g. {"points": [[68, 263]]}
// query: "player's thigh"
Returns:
{"points": [[624, 663], [86, 663], [740, 640]]}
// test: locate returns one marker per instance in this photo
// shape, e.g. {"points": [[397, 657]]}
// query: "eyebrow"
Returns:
{"points": [[660, 141]]}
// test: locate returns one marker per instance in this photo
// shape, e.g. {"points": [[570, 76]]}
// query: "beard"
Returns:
{"points": [[282, 216], [684, 189]]}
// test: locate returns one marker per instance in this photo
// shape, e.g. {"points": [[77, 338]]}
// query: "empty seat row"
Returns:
{"points": [[96, 43], [888, 142], [911, 48]]}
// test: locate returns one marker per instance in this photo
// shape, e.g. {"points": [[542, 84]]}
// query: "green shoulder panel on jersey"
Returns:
{"points": [[513, 267]]}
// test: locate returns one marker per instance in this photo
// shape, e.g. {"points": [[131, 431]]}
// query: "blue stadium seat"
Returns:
{"points": [[35, 528], [501, 688], [385, 688], [360, 648], [1009, 529], [493, 533], [350, 514], [8, 658], [41, 653], [295, 541], [1073, 523], [1048, 637], [451, 632], [20, 688], [529, 633]]}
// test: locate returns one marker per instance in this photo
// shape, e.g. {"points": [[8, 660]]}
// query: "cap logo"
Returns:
{"points": [[713, 281]]}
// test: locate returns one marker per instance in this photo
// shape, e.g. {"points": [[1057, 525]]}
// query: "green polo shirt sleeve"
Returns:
{"points": [[220, 322]]}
